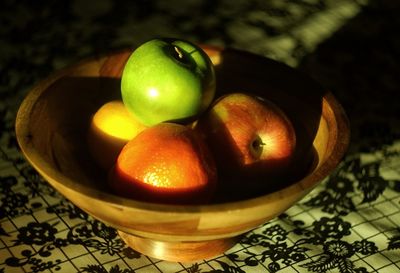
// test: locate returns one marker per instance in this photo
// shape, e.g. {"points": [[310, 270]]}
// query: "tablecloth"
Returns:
{"points": [[349, 223]]}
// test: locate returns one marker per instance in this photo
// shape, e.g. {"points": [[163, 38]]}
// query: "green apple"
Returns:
{"points": [[167, 80]]}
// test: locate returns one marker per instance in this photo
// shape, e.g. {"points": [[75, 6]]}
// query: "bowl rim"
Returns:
{"points": [[342, 140]]}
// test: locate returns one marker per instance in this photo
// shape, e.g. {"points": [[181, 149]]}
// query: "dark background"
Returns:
{"points": [[354, 51], [351, 47]]}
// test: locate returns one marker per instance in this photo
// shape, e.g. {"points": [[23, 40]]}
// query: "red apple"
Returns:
{"points": [[251, 137]]}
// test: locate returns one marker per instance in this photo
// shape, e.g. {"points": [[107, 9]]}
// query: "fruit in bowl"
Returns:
{"points": [[167, 80], [111, 127], [251, 138], [51, 124], [165, 163]]}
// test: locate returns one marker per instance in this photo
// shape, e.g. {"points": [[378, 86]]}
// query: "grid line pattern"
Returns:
{"points": [[346, 45], [369, 215]]}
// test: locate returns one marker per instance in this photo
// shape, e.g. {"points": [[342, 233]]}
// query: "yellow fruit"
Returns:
{"points": [[112, 126]]}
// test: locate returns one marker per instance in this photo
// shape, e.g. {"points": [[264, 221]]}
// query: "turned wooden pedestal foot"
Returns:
{"points": [[178, 251]]}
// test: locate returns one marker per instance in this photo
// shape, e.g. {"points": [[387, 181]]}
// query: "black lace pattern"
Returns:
{"points": [[348, 224]]}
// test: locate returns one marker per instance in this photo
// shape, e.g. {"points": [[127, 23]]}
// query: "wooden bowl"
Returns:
{"points": [[51, 128]]}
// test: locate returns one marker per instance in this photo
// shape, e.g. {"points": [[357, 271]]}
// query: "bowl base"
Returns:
{"points": [[178, 251]]}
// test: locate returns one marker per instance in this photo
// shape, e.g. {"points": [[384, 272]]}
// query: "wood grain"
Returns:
{"points": [[53, 120]]}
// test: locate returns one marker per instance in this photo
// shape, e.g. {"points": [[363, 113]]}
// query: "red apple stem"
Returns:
{"points": [[256, 147], [257, 143]]}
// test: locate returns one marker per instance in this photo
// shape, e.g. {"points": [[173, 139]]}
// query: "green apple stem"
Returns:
{"points": [[179, 52], [181, 56]]}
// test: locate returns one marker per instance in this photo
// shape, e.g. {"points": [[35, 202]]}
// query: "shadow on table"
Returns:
{"points": [[360, 64]]}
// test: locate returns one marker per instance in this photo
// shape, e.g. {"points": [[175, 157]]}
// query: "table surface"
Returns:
{"points": [[350, 223]]}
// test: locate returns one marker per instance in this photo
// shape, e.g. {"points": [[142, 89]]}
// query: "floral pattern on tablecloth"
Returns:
{"points": [[348, 224]]}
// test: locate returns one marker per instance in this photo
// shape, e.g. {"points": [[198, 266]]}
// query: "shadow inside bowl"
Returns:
{"points": [[53, 122], [295, 93], [60, 121], [61, 117]]}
